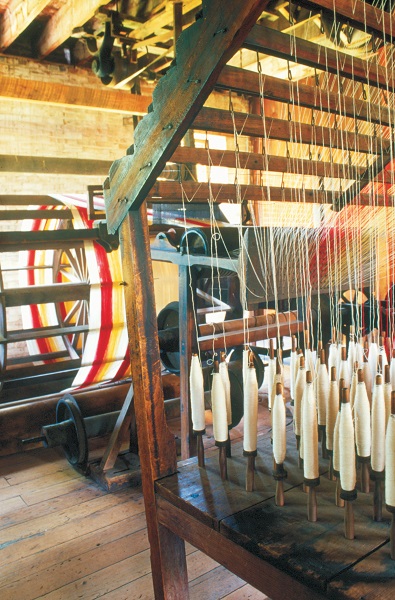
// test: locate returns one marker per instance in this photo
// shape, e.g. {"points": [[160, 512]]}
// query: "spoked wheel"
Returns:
{"points": [[70, 266]]}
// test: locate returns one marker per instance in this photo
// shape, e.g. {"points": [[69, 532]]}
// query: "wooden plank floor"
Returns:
{"points": [[62, 538]]}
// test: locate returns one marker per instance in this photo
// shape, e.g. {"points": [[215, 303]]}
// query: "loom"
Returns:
{"points": [[317, 192]]}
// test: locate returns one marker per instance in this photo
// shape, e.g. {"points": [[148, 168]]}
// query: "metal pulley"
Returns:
{"points": [[72, 431]]}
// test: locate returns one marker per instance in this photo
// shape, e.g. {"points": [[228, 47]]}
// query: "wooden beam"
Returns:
{"points": [[361, 15], [163, 19], [169, 192], [18, 215], [17, 16], [42, 294], [69, 95], [308, 96], [25, 200], [73, 13], [221, 121], [267, 163], [282, 45], [213, 38], [13, 163]]}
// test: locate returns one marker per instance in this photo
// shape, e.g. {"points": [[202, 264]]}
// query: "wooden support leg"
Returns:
{"points": [[156, 443]]}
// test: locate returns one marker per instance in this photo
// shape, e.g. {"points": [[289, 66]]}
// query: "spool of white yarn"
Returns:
{"points": [[250, 411], [196, 387], [279, 428], [332, 409], [299, 389], [390, 462], [378, 427], [322, 390], [310, 432], [223, 371], [348, 476], [218, 405], [362, 419]]}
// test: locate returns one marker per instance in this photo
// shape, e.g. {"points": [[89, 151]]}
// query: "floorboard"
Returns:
{"points": [[63, 538]]}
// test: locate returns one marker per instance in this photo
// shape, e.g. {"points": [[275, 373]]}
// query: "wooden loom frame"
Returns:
{"points": [[201, 53]]}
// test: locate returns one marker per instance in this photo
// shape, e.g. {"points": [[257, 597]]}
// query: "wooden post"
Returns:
{"points": [[156, 443], [186, 281]]}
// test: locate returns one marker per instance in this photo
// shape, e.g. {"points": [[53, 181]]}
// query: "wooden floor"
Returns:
{"points": [[62, 537]]}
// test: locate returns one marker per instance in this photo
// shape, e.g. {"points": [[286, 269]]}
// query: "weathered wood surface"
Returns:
{"points": [[262, 575], [14, 163], [213, 38], [371, 579], [313, 554], [222, 121], [268, 162], [361, 15], [308, 96], [67, 537], [170, 192], [282, 45]]}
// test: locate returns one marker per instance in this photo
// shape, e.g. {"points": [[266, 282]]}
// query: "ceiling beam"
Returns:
{"points": [[73, 13], [12, 163], [359, 14], [308, 96], [222, 121], [18, 14], [77, 97], [282, 45]]}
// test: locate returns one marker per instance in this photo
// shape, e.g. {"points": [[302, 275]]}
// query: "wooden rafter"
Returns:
{"points": [[282, 45], [359, 14], [17, 17], [214, 38], [308, 96], [12, 163], [69, 95], [73, 13]]}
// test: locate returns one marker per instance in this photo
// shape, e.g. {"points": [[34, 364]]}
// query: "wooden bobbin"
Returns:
{"points": [[250, 469], [311, 485], [279, 474], [200, 446]]}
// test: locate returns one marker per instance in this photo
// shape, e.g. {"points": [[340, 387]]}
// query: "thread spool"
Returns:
{"points": [[196, 386], [310, 442], [336, 454], [390, 474], [378, 447], [331, 414], [299, 390], [220, 419], [347, 463], [279, 443], [362, 431], [250, 425], [322, 393]]}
